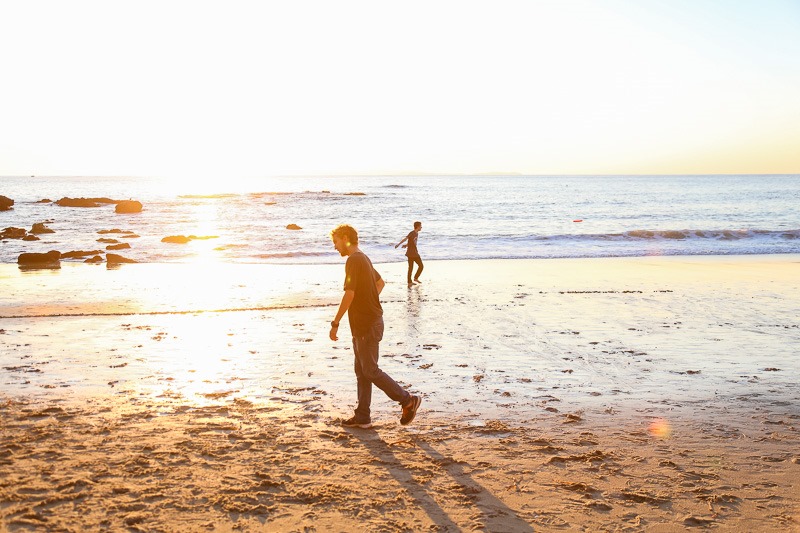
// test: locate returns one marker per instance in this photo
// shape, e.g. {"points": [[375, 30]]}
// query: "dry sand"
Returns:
{"points": [[651, 394]]}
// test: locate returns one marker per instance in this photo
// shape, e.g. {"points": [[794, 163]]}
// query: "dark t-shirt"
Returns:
{"points": [[411, 250], [360, 276]]}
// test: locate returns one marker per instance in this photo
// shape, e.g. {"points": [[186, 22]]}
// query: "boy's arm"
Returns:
{"points": [[380, 284], [401, 242], [347, 299]]}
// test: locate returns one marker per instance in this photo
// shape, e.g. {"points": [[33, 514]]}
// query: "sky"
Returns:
{"points": [[189, 89]]}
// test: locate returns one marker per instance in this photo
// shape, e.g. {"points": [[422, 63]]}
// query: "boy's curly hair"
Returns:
{"points": [[346, 231]]}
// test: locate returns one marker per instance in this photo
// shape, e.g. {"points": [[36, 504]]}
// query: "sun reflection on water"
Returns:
{"points": [[206, 220]]}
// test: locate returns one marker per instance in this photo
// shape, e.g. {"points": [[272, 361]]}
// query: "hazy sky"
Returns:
{"points": [[193, 88]]}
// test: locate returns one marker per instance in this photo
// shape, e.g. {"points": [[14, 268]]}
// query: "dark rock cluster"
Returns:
{"points": [[52, 259]]}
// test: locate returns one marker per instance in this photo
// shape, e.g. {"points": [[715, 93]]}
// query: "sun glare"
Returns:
{"points": [[205, 215], [205, 368]]}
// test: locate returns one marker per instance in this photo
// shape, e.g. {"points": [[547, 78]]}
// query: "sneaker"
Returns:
{"points": [[354, 423], [410, 410]]}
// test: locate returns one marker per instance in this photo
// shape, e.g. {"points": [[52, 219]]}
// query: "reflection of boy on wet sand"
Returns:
{"points": [[412, 253], [361, 302]]}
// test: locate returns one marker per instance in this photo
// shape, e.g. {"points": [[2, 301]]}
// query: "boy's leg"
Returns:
{"points": [[363, 385], [368, 359], [420, 266]]}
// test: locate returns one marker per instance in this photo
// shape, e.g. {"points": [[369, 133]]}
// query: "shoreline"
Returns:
{"points": [[640, 393], [39, 288]]}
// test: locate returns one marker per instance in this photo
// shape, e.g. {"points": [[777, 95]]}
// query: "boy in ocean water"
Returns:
{"points": [[362, 287], [412, 253]]}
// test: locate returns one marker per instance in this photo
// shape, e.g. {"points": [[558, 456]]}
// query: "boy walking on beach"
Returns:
{"points": [[412, 253], [362, 286]]}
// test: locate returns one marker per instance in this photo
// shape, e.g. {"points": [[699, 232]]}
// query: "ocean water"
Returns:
{"points": [[464, 217]]}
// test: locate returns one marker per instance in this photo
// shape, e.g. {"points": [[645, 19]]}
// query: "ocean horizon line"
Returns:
{"points": [[422, 175]]}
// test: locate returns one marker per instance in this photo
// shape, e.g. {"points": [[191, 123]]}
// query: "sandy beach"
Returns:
{"points": [[641, 394]]}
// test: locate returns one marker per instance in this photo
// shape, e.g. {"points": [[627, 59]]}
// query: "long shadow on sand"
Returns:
{"points": [[494, 514]]}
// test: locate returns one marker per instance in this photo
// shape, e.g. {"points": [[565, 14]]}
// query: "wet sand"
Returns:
{"points": [[648, 394]]}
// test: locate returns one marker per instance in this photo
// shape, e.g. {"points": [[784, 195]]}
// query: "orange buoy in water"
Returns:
{"points": [[578, 220]]}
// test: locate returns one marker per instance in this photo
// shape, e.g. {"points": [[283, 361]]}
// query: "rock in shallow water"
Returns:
{"points": [[128, 206], [84, 202], [114, 259], [13, 233], [178, 239], [51, 258], [39, 228]]}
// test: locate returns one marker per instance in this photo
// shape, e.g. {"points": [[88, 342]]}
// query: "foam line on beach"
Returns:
{"points": [[179, 312], [184, 312]]}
